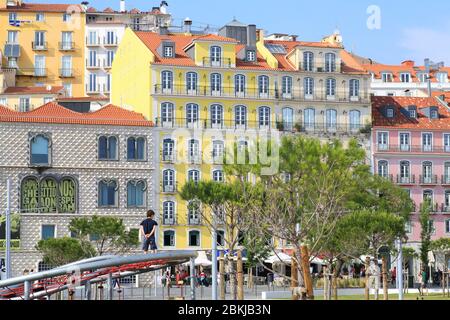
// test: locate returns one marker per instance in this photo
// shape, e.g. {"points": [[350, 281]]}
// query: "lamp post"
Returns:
{"points": [[214, 261], [400, 270]]}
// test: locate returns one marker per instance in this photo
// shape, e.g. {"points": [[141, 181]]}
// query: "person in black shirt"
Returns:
{"points": [[148, 230]]}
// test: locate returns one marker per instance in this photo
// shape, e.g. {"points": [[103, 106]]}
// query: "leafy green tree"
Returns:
{"points": [[61, 251], [426, 232]]}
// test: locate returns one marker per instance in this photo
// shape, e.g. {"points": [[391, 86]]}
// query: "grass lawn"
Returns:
{"points": [[409, 296]]}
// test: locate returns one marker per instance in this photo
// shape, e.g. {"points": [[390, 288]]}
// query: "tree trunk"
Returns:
{"points": [[335, 276], [366, 291], [385, 280], [222, 276], [326, 284], [240, 276], [232, 274], [250, 278], [294, 278], [307, 274]]}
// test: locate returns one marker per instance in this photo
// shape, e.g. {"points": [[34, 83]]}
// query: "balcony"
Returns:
{"points": [[428, 180], [93, 42], [445, 180], [217, 63], [66, 73], [168, 157], [406, 181], [39, 46], [195, 158], [320, 67], [412, 149], [107, 65], [339, 96], [434, 207], [93, 89], [169, 188], [67, 46], [110, 42], [93, 65], [32, 72], [194, 220], [169, 221]]}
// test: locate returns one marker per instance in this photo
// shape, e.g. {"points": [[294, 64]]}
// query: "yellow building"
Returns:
{"points": [[28, 98], [45, 43], [206, 92]]}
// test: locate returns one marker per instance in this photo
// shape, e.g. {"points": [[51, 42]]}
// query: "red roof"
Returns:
{"points": [[108, 10], [91, 9], [56, 114], [401, 120], [34, 90], [134, 10], [44, 7]]}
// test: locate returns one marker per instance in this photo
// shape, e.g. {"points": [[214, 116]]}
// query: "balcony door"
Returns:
{"points": [[39, 66]]}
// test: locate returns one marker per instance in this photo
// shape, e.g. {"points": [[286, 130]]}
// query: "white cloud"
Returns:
{"points": [[427, 43]]}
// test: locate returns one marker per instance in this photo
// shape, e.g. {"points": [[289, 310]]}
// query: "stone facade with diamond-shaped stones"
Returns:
{"points": [[74, 153]]}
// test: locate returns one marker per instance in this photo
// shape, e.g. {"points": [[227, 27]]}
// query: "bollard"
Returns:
{"points": [[110, 286], [192, 271], [26, 290], [88, 290]]}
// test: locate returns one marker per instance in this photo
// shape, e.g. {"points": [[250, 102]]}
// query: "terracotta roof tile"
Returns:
{"points": [[56, 114], [377, 69], [108, 10], [44, 7], [34, 90]]}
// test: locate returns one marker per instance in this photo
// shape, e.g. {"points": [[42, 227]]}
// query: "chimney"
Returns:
{"points": [[163, 7], [251, 35], [294, 37], [163, 30], [408, 63], [122, 6], [259, 35], [187, 26]]}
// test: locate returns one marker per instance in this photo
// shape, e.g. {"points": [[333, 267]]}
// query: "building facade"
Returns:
{"points": [[28, 98], [64, 165], [207, 92], [411, 147]]}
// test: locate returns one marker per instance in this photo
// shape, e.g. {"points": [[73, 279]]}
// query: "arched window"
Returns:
{"points": [[308, 61], [383, 168], [107, 148], [194, 176], [309, 87], [354, 88], [330, 62], [191, 82], [264, 117], [240, 116], [331, 87], [216, 116], [167, 80], [288, 118], [263, 86], [192, 114], [169, 238], [217, 176], [331, 119], [216, 56], [239, 85], [168, 153], [168, 212], [40, 150], [286, 86], [48, 191], [107, 193], [216, 83], [29, 195], [167, 113], [355, 120], [193, 150], [136, 193], [194, 238], [310, 118], [168, 180], [220, 238], [67, 195], [136, 148]]}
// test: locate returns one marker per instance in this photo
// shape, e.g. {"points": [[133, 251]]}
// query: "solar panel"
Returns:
{"points": [[276, 48]]}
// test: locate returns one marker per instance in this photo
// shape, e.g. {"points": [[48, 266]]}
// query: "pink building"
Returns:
{"points": [[411, 146]]}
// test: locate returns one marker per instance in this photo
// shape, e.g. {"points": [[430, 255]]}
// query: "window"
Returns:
{"points": [[168, 180], [354, 88], [442, 77], [408, 227], [192, 114], [405, 172], [383, 140], [331, 119], [447, 226], [167, 79], [39, 40], [446, 208], [67, 17], [39, 17], [431, 227], [386, 77], [24, 104], [428, 195], [251, 55], [308, 61], [13, 37], [218, 151], [216, 116], [48, 231], [331, 87], [12, 18], [217, 176], [66, 66], [93, 83], [168, 150], [309, 87], [107, 148], [286, 87], [240, 116], [427, 172], [109, 58], [111, 38], [355, 120], [68, 89], [39, 66], [168, 51], [390, 112], [107, 193], [427, 142], [405, 142], [93, 39], [263, 85], [264, 116], [239, 84], [136, 193], [216, 83], [309, 118], [216, 55], [136, 148], [168, 212], [423, 77], [412, 112], [169, 238], [434, 114], [446, 138], [40, 150], [66, 40], [191, 82], [167, 113], [194, 150], [193, 213], [383, 168], [446, 173], [405, 77], [194, 176], [220, 238], [4, 101], [194, 238], [330, 62], [288, 118]]}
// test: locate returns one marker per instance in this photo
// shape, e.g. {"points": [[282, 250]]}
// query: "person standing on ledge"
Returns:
{"points": [[148, 230]]}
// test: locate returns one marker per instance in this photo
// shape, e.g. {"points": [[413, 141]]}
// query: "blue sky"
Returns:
{"points": [[410, 29]]}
